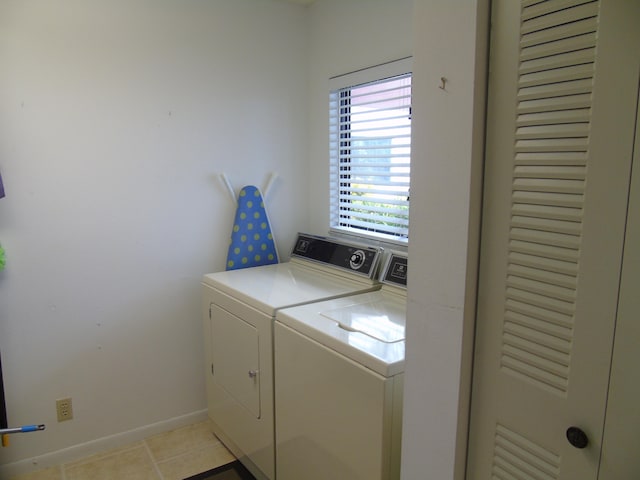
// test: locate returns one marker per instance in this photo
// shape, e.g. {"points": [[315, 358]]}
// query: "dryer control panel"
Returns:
{"points": [[356, 258]]}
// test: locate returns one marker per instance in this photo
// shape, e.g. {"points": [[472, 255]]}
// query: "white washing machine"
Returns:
{"points": [[339, 379], [239, 308]]}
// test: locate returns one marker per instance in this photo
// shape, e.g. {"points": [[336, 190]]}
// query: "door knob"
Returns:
{"points": [[577, 437]]}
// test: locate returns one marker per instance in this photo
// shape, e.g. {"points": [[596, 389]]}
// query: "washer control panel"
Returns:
{"points": [[395, 270], [356, 258]]}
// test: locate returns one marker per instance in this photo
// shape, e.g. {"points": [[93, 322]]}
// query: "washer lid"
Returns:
{"points": [[350, 333], [381, 320]]}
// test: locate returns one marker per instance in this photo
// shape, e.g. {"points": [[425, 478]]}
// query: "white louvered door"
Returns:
{"points": [[562, 89]]}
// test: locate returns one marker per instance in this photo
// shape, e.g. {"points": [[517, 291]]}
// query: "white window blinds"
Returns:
{"points": [[370, 151]]}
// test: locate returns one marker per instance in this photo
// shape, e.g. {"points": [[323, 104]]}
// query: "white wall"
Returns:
{"points": [[115, 118], [345, 35], [450, 39]]}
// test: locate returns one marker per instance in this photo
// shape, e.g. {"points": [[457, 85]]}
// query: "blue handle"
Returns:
{"points": [[23, 429]]}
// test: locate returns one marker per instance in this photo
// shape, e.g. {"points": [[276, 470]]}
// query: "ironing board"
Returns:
{"points": [[252, 242]]}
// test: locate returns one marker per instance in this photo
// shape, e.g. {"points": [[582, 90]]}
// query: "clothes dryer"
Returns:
{"points": [[239, 307], [339, 380]]}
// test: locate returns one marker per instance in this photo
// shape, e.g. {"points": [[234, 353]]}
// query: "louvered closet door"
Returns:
{"points": [[562, 90]]}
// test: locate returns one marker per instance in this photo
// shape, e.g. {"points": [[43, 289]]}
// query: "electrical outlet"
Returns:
{"points": [[64, 409]]}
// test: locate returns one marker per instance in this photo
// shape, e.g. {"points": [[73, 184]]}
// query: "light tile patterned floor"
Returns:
{"points": [[173, 455]]}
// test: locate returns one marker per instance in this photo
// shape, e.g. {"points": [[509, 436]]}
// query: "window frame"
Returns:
{"points": [[368, 76]]}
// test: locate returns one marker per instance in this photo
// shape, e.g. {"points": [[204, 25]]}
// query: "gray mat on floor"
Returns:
{"points": [[230, 471]]}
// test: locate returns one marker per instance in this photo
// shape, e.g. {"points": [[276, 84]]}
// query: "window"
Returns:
{"points": [[370, 151]]}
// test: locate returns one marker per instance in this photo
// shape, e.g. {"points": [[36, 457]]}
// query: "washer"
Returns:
{"points": [[339, 379], [239, 307]]}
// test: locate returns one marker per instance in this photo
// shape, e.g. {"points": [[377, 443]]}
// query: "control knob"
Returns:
{"points": [[357, 259]]}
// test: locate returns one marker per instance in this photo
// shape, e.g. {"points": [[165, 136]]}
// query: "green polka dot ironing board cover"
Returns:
{"points": [[252, 242]]}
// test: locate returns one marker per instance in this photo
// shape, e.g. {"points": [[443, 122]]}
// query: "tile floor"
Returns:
{"points": [[173, 455]]}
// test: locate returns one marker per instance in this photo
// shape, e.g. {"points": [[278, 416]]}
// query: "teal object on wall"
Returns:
{"points": [[252, 243]]}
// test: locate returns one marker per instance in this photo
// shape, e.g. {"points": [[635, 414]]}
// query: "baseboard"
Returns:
{"points": [[82, 450]]}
